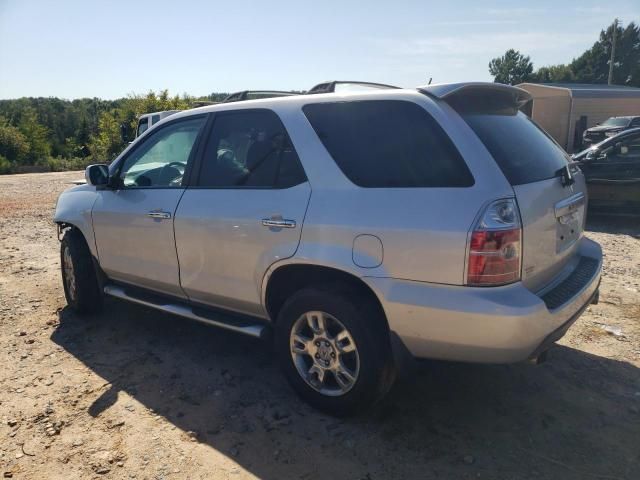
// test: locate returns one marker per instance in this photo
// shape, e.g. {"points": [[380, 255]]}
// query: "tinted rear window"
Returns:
{"points": [[388, 143], [523, 151]]}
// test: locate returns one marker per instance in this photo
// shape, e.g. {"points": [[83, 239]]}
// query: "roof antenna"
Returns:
{"points": [[430, 78]]}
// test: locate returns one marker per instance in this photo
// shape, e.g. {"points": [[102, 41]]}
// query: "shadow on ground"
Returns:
{"points": [[572, 417], [604, 223]]}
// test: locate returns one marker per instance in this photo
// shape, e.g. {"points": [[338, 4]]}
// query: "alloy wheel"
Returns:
{"points": [[324, 353]]}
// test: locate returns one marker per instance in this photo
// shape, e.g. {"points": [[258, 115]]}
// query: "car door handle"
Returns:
{"points": [[159, 214], [278, 223]]}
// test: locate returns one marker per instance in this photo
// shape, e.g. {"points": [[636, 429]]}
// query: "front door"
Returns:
{"points": [[133, 220], [244, 212]]}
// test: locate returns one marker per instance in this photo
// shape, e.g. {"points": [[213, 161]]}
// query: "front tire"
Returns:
{"points": [[333, 347], [79, 278]]}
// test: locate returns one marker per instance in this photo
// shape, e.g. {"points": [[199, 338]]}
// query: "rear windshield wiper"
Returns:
{"points": [[566, 177]]}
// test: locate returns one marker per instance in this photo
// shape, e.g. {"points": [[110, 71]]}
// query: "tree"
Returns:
{"points": [[36, 134], [13, 144], [593, 65], [554, 74], [512, 68]]}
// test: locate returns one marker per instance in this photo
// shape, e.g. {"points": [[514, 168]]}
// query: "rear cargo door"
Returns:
{"points": [[551, 197]]}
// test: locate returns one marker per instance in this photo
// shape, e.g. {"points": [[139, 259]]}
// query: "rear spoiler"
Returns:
{"points": [[482, 95]]}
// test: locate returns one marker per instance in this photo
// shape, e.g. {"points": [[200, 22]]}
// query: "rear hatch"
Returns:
{"points": [[551, 197]]}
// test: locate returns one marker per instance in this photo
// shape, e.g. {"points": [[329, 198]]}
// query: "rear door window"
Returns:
{"points": [[522, 150], [388, 143], [251, 149]]}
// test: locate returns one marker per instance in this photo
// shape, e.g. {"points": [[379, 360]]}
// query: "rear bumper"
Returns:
{"points": [[493, 325]]}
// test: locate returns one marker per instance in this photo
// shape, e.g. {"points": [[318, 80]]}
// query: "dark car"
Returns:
{"points": [[612, 172], [608, 128]]}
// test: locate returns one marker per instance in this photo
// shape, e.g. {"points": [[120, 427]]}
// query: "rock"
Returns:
{"points": [[7, 474], [469, 459], [102, 469], [22, 333], [29, 341], [12, 423], [615, 331], [77, 442]]}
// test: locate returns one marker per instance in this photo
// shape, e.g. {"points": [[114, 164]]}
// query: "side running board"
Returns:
{"points": [[217, 319]]}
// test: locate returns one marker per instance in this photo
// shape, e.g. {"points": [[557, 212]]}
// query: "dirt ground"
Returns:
{"points": [[132, 393]]}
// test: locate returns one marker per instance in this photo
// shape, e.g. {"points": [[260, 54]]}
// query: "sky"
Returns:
{"points": [[109, 49]]}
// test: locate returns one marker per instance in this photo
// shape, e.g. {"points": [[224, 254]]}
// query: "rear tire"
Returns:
{"points": [[333, 347], [79, 278]]}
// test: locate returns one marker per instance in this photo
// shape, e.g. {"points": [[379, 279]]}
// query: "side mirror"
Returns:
{"points": [[97, 174]]}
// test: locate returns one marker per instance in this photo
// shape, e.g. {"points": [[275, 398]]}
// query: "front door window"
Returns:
{"points": [[161, 160]]}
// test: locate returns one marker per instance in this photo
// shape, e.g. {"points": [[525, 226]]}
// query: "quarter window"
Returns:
{"points": [[388, 143], [161, 159], [250, 149]]}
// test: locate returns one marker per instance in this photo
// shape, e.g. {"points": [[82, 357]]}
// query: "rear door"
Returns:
{"points": [[244, 213], [552, 201]]}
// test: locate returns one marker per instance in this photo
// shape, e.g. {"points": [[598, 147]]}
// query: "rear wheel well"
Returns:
{"points": [[287, 280]]}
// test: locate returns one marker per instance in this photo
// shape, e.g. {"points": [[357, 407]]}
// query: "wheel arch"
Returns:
{"points": [[287, 279]]}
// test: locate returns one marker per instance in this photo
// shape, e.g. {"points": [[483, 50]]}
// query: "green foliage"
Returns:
{"points": [[554, 74], [512, 68], [36, 134], [5, 165], [107, 142], [593, 65], [590, 67], [60, 164], [13, 144]]}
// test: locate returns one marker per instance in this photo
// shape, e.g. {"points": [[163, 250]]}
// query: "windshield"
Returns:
{"points": [[616, 122]]}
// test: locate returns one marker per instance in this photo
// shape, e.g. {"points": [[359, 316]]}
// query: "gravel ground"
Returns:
{"points": [[132, 393]]}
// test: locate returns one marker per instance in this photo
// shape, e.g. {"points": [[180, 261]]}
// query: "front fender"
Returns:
{"points": [[74, 208]]}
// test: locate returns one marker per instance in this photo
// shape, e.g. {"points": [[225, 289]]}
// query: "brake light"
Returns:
{"points": [[495, 246]]}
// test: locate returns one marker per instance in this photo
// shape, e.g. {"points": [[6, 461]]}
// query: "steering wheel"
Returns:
{"points": [[173, 167], [181, 165]]}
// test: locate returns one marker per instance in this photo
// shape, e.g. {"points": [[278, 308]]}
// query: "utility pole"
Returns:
{"points": [[613, 50]]}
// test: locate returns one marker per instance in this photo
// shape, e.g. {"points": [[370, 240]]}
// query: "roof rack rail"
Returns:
{"points": [[202, 103], [329, 87], [246, 94]]}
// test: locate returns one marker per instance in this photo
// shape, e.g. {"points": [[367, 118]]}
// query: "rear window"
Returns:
{"points": [[523, 151], [388, 143]]}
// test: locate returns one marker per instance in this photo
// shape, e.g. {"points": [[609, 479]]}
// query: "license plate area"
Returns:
{"points": [[570, 219]]}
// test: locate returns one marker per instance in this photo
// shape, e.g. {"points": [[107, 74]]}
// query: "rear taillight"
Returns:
{"points": [[495, 246]]}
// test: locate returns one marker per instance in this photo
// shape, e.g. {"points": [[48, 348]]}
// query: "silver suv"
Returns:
{"points": [[356, 228]]}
